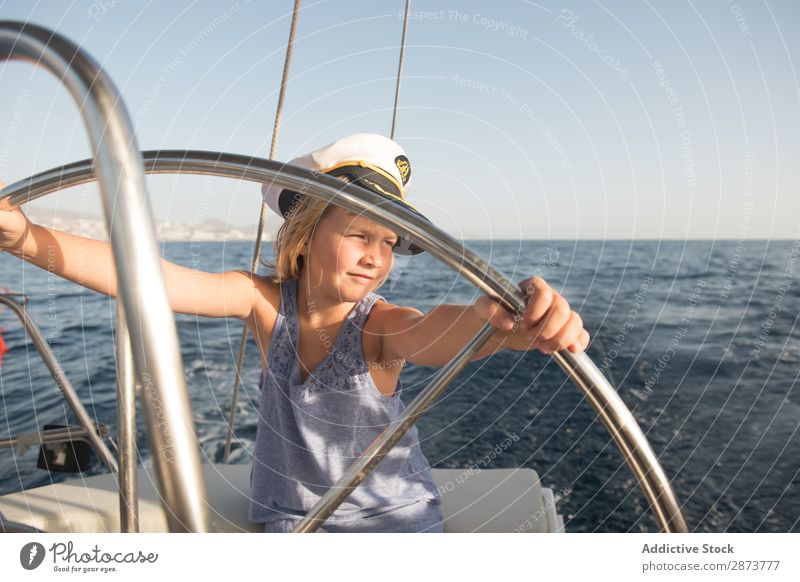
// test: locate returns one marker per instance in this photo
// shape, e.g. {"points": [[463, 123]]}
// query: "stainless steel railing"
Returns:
{"points": [[126, 428], [580, 369], [73, 400], [154, 340]]}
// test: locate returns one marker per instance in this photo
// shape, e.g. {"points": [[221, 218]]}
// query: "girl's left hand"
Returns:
{"points": [[547, 325]]}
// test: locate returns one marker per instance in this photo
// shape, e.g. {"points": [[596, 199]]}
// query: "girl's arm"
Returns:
{"points": [[435, 338], [90, 263]]}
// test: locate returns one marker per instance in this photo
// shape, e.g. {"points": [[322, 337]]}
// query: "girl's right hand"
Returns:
{"points": [[14, 225]]}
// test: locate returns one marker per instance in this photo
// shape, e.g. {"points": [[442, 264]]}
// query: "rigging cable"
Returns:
{"points": [[261, 220], [400, 68]]}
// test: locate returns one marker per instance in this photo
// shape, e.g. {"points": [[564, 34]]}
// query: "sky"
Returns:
{"points": [[522, 120]]}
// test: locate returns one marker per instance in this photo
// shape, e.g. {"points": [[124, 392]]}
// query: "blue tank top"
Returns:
{"points": [[310, 432]]}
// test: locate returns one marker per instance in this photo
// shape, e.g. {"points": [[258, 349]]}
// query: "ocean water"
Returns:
{"points": [[699, 337]]}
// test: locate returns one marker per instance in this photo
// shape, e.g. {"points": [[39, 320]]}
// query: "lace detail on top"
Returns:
{"points": [[345, 356]]}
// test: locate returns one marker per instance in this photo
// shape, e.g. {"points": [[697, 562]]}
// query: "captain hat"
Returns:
{"points": [[369, 160]]}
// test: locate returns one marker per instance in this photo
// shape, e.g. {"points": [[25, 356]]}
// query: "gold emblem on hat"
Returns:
{"points": [[405, 168]]}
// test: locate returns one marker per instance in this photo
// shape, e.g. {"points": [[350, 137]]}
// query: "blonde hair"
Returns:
{"points": [[295, 234]]}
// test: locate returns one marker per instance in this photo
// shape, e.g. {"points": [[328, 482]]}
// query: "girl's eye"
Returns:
{"points": [[388, 242]]}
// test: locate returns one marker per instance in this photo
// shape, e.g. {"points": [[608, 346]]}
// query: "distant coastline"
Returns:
{"points": [[215, 230], [210, 230]]}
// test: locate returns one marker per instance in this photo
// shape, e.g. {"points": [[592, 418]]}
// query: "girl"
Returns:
{"points": [[331, 349]]}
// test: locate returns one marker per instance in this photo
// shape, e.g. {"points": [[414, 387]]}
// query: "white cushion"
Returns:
{"points": [[493, 500]]}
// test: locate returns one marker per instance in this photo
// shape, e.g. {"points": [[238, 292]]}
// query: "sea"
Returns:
{"points": [[699, 337]]}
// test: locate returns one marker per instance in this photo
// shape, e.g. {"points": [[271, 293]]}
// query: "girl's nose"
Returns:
{"points": [[372, 256]]}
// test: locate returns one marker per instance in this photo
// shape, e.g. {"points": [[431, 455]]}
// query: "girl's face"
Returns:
{"points": [[348, 255]]}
